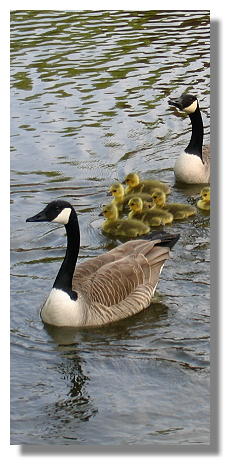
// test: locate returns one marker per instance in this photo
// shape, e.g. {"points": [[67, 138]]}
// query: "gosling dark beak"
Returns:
{"points": [[124, 182], [40, 217], [100, 215], [177, 102], [108, 193]]}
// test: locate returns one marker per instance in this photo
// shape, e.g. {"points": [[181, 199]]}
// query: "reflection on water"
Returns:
{"points": [[89, 103]]}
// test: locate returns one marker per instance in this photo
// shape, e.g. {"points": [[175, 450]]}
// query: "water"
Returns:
{"points": [[89, 104]]}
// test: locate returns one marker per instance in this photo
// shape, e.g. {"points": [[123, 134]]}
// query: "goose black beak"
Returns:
{"points": [[40, 217], [175, 102]]}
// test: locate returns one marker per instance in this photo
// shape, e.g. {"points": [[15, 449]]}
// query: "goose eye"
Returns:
{"points": [[57, 209]]}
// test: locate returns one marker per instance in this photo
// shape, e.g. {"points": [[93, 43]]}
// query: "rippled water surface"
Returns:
{"points": [[89, 104]]}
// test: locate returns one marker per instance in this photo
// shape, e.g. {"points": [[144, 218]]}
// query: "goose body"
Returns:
{"points": [[204, 202], [153, 217], [193, 165], [107, 288], [121, 227], [178, 210], [136, 185]]}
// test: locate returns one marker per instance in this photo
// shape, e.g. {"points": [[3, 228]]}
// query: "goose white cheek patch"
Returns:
{"points": [[63, 216], [191, 108]]}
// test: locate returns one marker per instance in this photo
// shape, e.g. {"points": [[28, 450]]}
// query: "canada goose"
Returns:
{"points": [[107, 288], [120, 199], [193, 165], [204, 202], [121, 227], [153, 217], [135, 184], [179, 211]]}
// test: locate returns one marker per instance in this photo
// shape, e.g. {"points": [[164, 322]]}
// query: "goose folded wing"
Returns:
{"points": [[117, 280], [122, 279], [86, 269]]}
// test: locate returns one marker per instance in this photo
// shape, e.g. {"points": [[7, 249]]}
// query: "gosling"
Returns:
{"points": [[204, 202], [115, 226], [135, 184], [153, 217], [179, 211]]}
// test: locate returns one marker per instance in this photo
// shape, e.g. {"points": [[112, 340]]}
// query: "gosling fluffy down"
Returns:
{"points": [[120, 199], [135, 184], [204, 202], [179, 211], [115, 226], [152, 217]]}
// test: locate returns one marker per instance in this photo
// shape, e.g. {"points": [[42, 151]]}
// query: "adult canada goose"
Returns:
{"points": [[107, 288], [204, 202], [135, 185], [178, 210], [121, 227], [193, 165], [153, 217], [120, 199]]}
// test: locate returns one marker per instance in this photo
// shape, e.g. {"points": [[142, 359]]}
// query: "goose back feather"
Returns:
{"points": [[120, 283]]}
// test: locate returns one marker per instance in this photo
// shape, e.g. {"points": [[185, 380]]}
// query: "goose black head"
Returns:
{"points": [[56, 211], [185, 102]]}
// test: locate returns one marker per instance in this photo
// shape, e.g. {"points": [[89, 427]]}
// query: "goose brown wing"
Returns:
{"points": [[86, 269], [114, 282], [117, 280], [120, 288], [124, 287]]}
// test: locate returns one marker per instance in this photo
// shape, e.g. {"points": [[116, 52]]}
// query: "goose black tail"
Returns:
{"points": [[166, 239]]}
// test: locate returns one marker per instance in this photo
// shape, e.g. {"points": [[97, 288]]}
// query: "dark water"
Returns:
{"points": [[89, 104]]}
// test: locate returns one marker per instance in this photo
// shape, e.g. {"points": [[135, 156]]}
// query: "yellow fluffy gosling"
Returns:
{"points": [[204, 202], [120, 199], [135, 184], [121, 227], [179, 211], [153, 217]]}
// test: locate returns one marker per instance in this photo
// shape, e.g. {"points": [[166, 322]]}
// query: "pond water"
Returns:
{"points": [[89, 103]]}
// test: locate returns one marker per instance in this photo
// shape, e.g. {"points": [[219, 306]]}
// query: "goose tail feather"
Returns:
{"points": [[162, 238]]}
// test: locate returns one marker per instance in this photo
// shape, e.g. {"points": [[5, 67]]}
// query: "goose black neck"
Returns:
{"points": [[195, 144], [65, 275]]}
